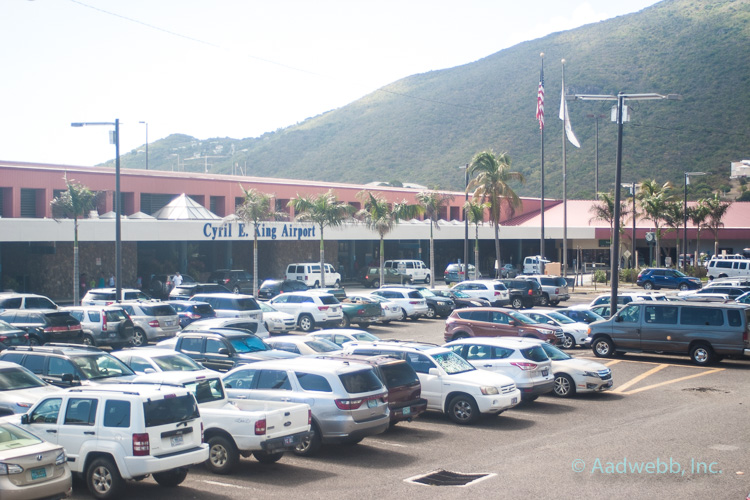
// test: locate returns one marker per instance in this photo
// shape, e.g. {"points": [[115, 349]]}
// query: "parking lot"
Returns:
{"points": [[667, 429]]}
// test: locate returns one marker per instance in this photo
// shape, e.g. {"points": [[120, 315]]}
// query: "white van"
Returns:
{"points": [[728, 268], [416, 270], [534, 264], [309, 273]]}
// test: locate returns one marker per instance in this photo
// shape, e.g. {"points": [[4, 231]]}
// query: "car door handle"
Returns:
{"points": [[89, 433], [286, 399], [240, 397], [52, 431], [486, 366]]}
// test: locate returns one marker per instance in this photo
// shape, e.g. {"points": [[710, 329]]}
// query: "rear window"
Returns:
{"points": [[500, 286], [330, 299], [60, 318], [101, 296], [206, 390], [170, 410], [116, 315], [159, 310], [701, 316], [398, 374], [203, 308], [554, 281], [361, 381], [414, 295], [535, 353], [247, 304]]}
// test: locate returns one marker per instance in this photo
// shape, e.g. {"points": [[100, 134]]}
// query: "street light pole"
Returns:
{"points": [[685, 218], [146, 124]]}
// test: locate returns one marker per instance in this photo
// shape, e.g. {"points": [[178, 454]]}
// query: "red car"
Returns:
{"points": [[497, 322]]}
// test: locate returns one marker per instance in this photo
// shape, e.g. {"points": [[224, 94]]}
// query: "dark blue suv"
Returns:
{"points": [[654, 278]]}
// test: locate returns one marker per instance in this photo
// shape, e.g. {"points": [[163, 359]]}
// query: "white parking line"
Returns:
{"points": [[386, 443], [228, 485]]}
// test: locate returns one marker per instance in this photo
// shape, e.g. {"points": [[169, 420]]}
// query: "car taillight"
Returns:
{"points": [[225, 280], [322, 308], [414, 302], [57, 328], [193, 315], [523, 365], [203, 440], [349, 404], [3, 338], [309, 417], [104, 322], [260, 427], [108, 302], [154, 323], [497, 293], [557, 291], [141, 445]]}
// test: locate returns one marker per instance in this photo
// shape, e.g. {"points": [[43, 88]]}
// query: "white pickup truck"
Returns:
{"points": [[265, 429]]}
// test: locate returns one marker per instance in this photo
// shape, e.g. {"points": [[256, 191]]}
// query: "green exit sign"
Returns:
{"points": [[604, 243]]}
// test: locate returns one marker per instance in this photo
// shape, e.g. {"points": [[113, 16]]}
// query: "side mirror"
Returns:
{"points": [[550, 322], [224, 351], [618, 319], [25, 418], [67, 378], [433, 371], [512, 322], [149, 370]]}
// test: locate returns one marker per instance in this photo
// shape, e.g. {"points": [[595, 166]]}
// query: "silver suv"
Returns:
{"points": [[104, 325], [153, 321], [348, 400], [554, 288]]}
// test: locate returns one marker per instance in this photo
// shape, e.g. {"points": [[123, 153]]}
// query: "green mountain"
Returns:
{"points": [[420, 128]]}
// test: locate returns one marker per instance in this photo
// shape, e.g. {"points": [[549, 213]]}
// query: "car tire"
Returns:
{"points": [[236, 289], [337, 284], [516, 303], [544, 301], [223, 455], [345, 322], [267, 458], [648, 285], [569, 342], [463, 410], [171, 478], [702, 354], [34, 340], [103, 478], [603, 347], [403, 315], [460, 335], [427, 279], [564, 386], [376, 284], [306, 323], [139, 338], [310, 445], [431, 313], [89, 340], [316, 284], [684, 287]]}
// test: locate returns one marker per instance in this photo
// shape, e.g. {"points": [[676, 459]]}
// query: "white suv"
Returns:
{"points": [[309, 274], [107, 296], [415, 270], [449, 383], [413, 305], [310, 309], [122, 432], [492, 290]]}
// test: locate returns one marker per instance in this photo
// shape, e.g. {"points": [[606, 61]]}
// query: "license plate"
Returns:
{"points": [[288, 440], [545, 372], [514, 401], [406, 410], [38, 473], [372, 403], [176, 440], [169, 323]]}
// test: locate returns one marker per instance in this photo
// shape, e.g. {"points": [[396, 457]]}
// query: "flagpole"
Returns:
{"points": [[565, 186], [541, 134]]}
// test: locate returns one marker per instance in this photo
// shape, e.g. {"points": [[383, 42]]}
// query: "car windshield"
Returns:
{"points": [[248, 344], [452, 363], [13, 379], [461, 295], [176, 363], [7, 327], [322, 345], [554, 353], [247, 305], [364, 336], [101, 366], [426, 293], [12, 437], [266, 308], [522, 318], [561, 318]]}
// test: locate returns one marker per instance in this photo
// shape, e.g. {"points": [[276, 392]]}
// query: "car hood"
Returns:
{"points": [[278, 316], [578, 364], [30, 395], [481, 378]]}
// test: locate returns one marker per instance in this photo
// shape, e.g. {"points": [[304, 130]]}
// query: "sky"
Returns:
{"points": [[232, 68]]}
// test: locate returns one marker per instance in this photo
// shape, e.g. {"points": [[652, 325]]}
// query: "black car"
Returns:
{"points": [[461, 299], [656, 278], [237, 280], [438, 306], [190, 310], [45, 326], [67, 365], [10, 335], [184, 292], [271, 288], [523, 293]]}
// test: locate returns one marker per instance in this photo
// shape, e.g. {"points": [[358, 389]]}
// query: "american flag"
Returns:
{"points": [[540, 100]]}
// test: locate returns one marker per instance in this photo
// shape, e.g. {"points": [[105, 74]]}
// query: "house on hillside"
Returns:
{"points": [[740, 169]]}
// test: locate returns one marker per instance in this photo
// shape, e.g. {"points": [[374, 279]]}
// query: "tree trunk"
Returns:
{"points": [[76, 275], [476, 250], [432, 252], [255, 261], [497, 250], [322, 259], [382, 262], [657, 253]]}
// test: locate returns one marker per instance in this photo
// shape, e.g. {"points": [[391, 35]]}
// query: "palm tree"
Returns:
{"points": [[432, 202], [698, 216], [674, 218], [75, 203], [604, 210], [256, 208], [653, 200], [381, 216], [325, 210], [716, 210], [475, 215], [491, 178]]}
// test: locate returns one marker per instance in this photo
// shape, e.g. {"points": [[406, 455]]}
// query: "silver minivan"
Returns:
{"points": [[706, 332]]}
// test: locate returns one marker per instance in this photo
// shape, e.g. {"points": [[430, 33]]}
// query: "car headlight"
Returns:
{"points": [[61, 458], [591, 374], [489, 390]]}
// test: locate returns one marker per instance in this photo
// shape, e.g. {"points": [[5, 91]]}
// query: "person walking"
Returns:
{"points": [[177, 279]]}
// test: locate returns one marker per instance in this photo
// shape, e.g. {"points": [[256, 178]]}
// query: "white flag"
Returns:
{"points": [[566, 119]]}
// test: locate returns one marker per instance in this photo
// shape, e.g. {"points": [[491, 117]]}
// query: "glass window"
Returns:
{"points": [[360, 381], [452, 363], [242, 379], [192, 344], [176, 362], [39, 303], [500, 318], [46, 412], [94, 316], [81, 411], [480, 316], [139, 364], [661, 315], [213, 346], [419, 362], [116, 413], [101, 366], [312, 382], [170, 410], [12, 303], [33, 363], [701, 316], [479, 352], [630, 314], [535, 353], [734, 317], [399, 374], [273, 380], [206, 390]]}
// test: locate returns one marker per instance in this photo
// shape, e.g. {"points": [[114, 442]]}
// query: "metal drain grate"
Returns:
{"points": [[447, 478]]}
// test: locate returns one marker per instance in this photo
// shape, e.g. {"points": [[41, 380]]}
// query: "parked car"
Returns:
{"points": [[627, 298], [461, 299], [277, 321], [575, 333], [491, 290], [12, 300], [237, 280], [576, 375], [413, 305], [523, 293], [455, 273], [389, 310], [438, 306], [67, 365], [604, 310], [732, 292], [370, 277], [192, 310], [302, 345], [31, 467], [162, 284], [523, 361], [654, 278], [162, 425], [231, 305], [341, 336], [152, 321], [508, 271], [554, 288], [497, 322], [155, 359], [449, 383], [104, 325], [309, 273], [271, 288], [359, 310], [45, 326], [580, 315], [348, 400], [20, 389], [186, 291], [250, 325], [414, 270], [309, 309], [107, 296], [11, 335]]}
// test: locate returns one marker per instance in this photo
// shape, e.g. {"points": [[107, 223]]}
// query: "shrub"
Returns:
{"points": [[629, 275], [600, 276]]}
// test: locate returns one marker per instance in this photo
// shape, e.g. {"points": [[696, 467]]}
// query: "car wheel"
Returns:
{"points": [[103, 478], [310, 445], [89, 340], [306, 323], [223, 455], [139, 338], [316, 284], [603, 347], [345, 322], [648, 285], [337, 284], [684, 287], [236, 289], [431, 313], [403, 315], [460, 335], [516, 303], [564, 386], [376, 284], [702, 354], [463, 410], [544, 301], [568, 342], [427, 279], [267, 458], [34, 341], [171, 478]]}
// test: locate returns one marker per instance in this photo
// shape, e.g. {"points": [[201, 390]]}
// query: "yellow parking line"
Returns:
{"points": [[640, 377], [707, 372], [613, 362]]}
